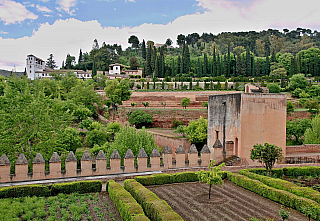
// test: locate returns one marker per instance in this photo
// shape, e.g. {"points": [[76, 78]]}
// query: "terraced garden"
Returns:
{"points": [[190, 201], [93, 206]]}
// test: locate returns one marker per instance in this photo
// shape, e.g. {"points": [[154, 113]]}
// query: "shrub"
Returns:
{"points": [[185, 102], [290, 107], [154, 208], [95, 136], [139, 118], [280, 196], [23, 191], [127, 206], [294, 172], [273, 88], [175, 123], [77, 187]]}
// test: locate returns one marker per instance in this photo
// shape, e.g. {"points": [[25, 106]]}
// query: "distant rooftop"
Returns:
{"points": [[6, 73]]}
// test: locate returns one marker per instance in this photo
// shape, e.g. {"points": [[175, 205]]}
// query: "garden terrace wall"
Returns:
{"points": [[306, 148], [87, 169]]}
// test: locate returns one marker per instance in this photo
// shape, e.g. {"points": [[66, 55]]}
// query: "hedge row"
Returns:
{"points": [[276, 172], [163, 178], [285, 198], [284, 185], [154, 208], [301, 171], [50, 190], [127, 206]]}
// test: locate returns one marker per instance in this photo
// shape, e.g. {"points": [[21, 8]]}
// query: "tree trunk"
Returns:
{"points": [[209, 190]]}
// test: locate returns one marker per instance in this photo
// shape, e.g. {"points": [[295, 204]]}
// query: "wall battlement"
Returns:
{"points": [[100, 168]]}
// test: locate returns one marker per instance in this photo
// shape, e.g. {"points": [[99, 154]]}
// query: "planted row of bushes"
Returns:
{"points": [[127, 206], [285, 198], [284, 185], [51, 190], [163, 178], [292, 172], [275, 172], [154, 208]]}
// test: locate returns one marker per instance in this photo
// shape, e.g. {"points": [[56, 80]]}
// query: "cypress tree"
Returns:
{"points": [[153, 59], [199, 68], [257, 68], [316, 65], [149, 62], [143, 50], [218, 65], [94, 68], [185, 59], [248, 62], [243, 65], [80, 60], [179, 65], [228, 61], [238, 65], [157, 68], [161, 64], [172, 68], [267, 65], [292, 67], [214, 62], [205, 65]]}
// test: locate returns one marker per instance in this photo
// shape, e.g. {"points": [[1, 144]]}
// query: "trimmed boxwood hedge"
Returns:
{"points": [[301, 171], [276, 172], [280, 196], [77, 187], [284, 185], [23, 191], [50, 190], [164, 178], [154, 208], [127, 206]]}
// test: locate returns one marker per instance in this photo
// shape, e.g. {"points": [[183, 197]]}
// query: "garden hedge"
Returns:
{"points": [[276, 172], [284, 185], [91, 186], [155, 208], [50, 190], [301, 171], [127, 206], [285, 198], [163, 178]]}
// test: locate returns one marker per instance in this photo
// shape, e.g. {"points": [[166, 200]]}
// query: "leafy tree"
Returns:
{"points": [[145, 104], [181, 39], [134, 41], [116, 92], [312, 135], [139, 118], [169, 42], [185, 102], [197, 130], [297, 128], [131, 138], [96, 137], [133, 104], [205, 104], [290, 107], [312, 105], [134, 63], [69, 139], [267, 155], [181, 130], [50, 63], [274, 88], [70, 61], [164, 104], [211, 177], [298, 81], [82, 113]]}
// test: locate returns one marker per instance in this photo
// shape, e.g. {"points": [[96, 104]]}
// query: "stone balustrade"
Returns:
{"points": [[87, 169]]}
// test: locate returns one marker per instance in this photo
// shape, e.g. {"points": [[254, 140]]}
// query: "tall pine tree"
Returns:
{"points": [[143, 50]]}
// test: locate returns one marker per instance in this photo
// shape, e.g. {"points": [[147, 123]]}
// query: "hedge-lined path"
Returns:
{"points": [[233, 203]]}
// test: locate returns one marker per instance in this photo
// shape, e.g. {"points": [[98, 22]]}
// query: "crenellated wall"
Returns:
{"points": [[55, 172]]}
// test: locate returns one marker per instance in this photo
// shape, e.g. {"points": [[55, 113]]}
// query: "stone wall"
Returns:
{"points": [[100, 166], [306, 148]]}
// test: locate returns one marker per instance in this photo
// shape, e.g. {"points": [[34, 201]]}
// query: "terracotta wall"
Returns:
{"points": [[163, 140], [87, 168], [306, 148]]}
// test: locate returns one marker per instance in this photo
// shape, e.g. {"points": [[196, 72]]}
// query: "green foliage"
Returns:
{"points": [[284, 214], [274, 88], [131, 138], [205, 104], [127, 206], [116, 92], [22, 191], [185, 102], [91, 186], [213, 177], [82, 113], [304, 171], [181, 130], [280, 196], [139, 118], [197, 130], [296, 93], [266, 154], [298, 81], [175, 123], [297, 128], [96, 136], [290, 107], [145, 104], [154, 208], [312, 135], [69, 139]]}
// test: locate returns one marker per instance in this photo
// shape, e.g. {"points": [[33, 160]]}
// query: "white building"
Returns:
{"points": [[36, 69], [33, 65]]}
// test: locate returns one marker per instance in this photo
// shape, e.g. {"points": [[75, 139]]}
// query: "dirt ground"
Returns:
{"points": [[233, 203], [105, 209]]}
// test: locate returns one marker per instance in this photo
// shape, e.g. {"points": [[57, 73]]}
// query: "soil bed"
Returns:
{"points": [[190, 201], [313, 182]]}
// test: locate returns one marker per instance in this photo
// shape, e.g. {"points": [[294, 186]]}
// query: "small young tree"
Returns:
{"points": [[290, 107], [164, 104], [145, 104], [185, 102], [133, 104], [211, 177], [267, 155]]}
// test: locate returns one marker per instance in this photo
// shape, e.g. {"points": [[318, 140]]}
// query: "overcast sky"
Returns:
{"points": [[41, 27]]}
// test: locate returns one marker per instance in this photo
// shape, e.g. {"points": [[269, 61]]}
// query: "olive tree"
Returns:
{"points": [[185, 102]]}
